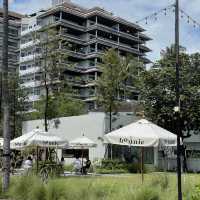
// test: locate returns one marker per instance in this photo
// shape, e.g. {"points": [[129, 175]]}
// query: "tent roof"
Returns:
{"points": [[39, 138], [82, 142], [141, 133]]}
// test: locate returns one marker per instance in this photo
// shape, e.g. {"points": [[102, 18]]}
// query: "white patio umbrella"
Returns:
{"points": [[82, 143], [38, 138], [141, 134], [1, 143]]}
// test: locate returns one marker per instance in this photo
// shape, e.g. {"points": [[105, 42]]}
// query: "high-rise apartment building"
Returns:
{"points": [[13, 39], [90, 32]]}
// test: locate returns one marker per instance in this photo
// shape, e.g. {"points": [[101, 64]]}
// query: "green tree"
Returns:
{"points": [[112, 86], [18, 101], [51, 60], [158, 93], [117, 73], [60, 105], [159, 96]]}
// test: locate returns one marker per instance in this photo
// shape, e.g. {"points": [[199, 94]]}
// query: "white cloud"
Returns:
{"points": [[29, 6], [10, 1], [161, 31]]}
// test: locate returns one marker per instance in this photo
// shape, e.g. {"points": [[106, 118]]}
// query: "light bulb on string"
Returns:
{"points": [[194, 24], [188, 21], [182, 14], [165, 11], [155, 17]]}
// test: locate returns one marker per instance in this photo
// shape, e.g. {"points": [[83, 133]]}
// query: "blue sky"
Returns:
{"points": [[162, 30]]}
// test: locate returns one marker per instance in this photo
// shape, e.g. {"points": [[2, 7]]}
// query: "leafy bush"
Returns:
{"points": [[27, 187], [68, 168], [110, 171], [196, 193], [161, 180], [147, 193], [55, 190], [118, 166]]}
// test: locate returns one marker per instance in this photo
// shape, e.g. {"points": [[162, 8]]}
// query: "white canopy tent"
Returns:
{"points": [[82, 143], [141, 134], [1, 143], [38, 138]]}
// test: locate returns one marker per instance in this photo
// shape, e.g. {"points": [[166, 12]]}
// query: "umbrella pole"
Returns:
{"points": [[142, 164], [82, 163], [37, 159]]}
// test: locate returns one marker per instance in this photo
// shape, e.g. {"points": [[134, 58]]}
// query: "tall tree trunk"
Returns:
{"points": [[110, 118], [46, 88], [110, 129], [46, 106], [6, 101]]}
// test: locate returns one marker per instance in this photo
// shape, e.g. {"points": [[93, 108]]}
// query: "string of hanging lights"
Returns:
{"points": [[189, 19], [165, 11], [155, 15]]}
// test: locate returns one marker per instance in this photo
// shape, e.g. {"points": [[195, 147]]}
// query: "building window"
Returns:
{"points": [[36, 91], [13, 44], [13, 32], [23, 67], [24, 27]]}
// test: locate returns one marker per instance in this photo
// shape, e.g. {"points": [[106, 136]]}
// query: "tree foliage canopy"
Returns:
{"points": [[159, 97], [117, 73]]}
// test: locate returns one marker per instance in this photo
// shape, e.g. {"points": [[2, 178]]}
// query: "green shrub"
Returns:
{"points": [[37, 192], [196, 193], [55, 190], [68, 167], [147, 193], [110, 171], [161, 180], [134, 168], [117, 166], [26, 187]]}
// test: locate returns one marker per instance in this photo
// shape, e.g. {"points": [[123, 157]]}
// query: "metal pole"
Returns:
{"points": [[177, 99], [142, 164]]}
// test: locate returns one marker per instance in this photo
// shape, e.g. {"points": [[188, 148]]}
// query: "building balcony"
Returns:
{"points": [[29, 58], [31, 84], [144, 48], [27, 31], [114, 31], [31, 70], [29, 44], [81, 82], [73, 38], [71, 24], [111, 43], [32, 98]]}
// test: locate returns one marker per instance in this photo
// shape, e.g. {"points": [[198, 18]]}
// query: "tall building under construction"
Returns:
{"points": [[89, 32]]}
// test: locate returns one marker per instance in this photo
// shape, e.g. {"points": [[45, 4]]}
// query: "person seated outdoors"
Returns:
{"points": [[87, 166], [19, 161], [28, 164], [77, 165], [62, 161]]}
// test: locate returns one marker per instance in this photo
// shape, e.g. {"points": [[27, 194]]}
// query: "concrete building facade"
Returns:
{"points": [[93, 125], [89, 32], [13, 39]]}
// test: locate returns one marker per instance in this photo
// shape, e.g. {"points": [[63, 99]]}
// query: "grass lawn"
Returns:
{"points": [[156, 186]]}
